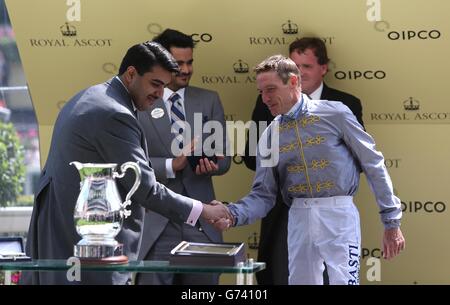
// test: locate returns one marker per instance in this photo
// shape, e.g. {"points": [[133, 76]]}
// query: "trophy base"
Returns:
{"points": [[97, 252], [113, 260]]}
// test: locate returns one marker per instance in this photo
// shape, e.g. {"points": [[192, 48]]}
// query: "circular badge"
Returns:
{"points": [[157, 113]]}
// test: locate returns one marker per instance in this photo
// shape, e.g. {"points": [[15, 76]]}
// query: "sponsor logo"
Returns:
{"points": [[110, 68], [414, 35], [411, 104], [406, 34], [375, 252], [154, 28], [423, 207], [289, 29], [412, 113], [357, 74], [69, 38], [240, 76], [68, 30], [353, 264], [202, 37], [240, 67], [392, 163]]}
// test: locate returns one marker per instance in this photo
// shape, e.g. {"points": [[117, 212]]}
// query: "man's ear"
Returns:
{"points": [[324, 69], [130, 73], [293, 80]]}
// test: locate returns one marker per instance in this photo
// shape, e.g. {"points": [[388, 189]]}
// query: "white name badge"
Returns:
{"points": [[157, 113]]}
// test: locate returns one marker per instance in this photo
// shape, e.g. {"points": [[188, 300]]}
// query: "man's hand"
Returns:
{"points": [[180, 162], [206, 166], [393, 243], [217, 212], [223, 224]]}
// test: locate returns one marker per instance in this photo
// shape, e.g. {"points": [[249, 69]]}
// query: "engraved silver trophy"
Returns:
{"points": [[99, 211]]}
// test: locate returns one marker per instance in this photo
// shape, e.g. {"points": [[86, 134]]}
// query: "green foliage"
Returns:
{"points": [[12, 168]]}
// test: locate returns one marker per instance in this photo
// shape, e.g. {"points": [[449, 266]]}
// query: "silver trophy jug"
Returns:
{"points": [[99, 211]]}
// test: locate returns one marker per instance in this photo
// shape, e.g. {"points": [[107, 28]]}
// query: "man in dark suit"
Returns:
{"points": [[310, 56], [99, 125], [176, 171]]}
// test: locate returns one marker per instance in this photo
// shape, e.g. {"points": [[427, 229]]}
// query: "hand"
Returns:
{"points": [[180, 162], [215, 211], [393, 243], [206, 166], [223, 224]]}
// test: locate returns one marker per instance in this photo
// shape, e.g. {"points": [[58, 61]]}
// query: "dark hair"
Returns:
{"points": [[145, 56], [173, 38], [315, 44]]}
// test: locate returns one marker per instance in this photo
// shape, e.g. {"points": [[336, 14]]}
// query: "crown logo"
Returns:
{"points": [[253, 241], [289, 28], [240, 67], [68, 30], [411, 104]]}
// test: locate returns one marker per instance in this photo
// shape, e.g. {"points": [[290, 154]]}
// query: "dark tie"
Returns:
{"points": [[177, 117]]}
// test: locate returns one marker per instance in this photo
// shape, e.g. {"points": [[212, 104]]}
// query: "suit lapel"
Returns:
{"points": [[192, 105], [325, 92], [161, 125]]}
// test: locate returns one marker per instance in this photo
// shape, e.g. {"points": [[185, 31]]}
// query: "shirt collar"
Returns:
{"points": [[317, 93], [293, 112], [132, 102], [168, 93]]}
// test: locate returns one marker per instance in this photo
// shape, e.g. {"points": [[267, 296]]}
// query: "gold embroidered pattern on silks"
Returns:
{"points": [[296, 168], [288, 147], [309, 120], [286, 126], [316, 164], [315, 140], [324, 185], [298, 188]]}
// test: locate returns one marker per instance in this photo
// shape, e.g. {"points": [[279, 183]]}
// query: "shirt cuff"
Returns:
{"points": [[197, 208], [169, 170], [234, 214], [391, 224]]}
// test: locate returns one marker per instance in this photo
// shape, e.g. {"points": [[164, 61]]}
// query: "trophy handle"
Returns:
{"points": [[137, 171]]}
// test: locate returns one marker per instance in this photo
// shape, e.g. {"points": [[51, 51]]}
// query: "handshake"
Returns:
{"points": [[217, 214]]}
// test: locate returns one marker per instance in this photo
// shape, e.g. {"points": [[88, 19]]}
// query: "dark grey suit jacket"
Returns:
{"points": [[159, 139], [97, 125]]}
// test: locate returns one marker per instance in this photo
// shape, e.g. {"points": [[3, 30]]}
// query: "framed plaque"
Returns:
{"points": [[211, 254], [11, 249]]}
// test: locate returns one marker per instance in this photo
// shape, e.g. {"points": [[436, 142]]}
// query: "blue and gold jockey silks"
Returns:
{"points": [[320, 153], [321, 147]]}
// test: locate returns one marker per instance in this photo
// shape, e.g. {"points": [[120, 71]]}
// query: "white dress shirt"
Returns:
{"points": [[317, 93]]}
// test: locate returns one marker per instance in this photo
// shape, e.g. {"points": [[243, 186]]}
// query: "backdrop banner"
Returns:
{"points": [[390, 54]]}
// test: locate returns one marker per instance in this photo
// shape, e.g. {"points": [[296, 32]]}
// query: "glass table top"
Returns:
{"points": [[131, 266]]}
